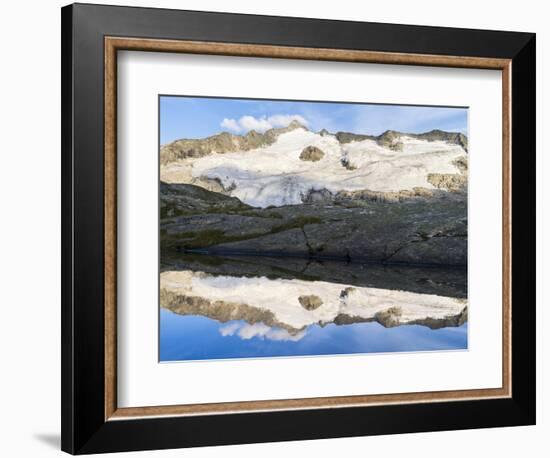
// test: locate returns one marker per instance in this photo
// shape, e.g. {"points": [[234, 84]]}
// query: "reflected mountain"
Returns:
{"points": [[281, 301], [293, 305]]}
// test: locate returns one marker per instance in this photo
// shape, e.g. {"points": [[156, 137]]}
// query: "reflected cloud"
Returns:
{"points": [[248, 331], [244, 309]]}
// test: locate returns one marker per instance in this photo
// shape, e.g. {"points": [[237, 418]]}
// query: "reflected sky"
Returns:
{"points": [[192, 337], [254, 308]]}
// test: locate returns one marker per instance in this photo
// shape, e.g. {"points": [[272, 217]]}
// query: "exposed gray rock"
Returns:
{"points": [[288, 242], [346, 292], [462, 164], [392, 139], [347, 164], [456, 138], [186, 199], [447, 322], [451, 187], [444, 249], [348, 137], [389, 318], [312, 154], [310, 302], [317, 196], [449, 181], [355, 197]]}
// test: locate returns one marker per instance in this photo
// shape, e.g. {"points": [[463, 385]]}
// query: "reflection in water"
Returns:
{"points": [[248, 331], [216, 308]]}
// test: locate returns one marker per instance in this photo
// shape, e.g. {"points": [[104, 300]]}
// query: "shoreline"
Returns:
{"points": [[313, 257]]}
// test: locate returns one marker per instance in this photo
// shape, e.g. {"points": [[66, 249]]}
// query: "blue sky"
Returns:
{"points": [[199, 117], [190, 337]]}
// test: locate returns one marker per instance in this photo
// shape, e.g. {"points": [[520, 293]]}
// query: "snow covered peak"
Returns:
{"points": [[295, 124], [283, 166]]}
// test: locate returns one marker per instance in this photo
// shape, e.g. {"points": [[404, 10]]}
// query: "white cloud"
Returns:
{"points": [[282, 120], [261, 330], [230, 329], [253, 330], [252, 123], [261, 124], [230, 124]]}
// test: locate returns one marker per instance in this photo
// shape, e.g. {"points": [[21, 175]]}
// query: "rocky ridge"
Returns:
{"points": [[221, 143], [391, 138], [413, 230], [225, 142]]}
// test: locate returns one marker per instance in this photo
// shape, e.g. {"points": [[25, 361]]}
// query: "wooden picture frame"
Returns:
{"points": [[91, 420]]}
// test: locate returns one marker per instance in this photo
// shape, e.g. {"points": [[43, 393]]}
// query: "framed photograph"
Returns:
{"points": [[283, 228]]}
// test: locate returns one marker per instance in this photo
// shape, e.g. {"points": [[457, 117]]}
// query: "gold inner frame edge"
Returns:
{"points": [[114, 44]]}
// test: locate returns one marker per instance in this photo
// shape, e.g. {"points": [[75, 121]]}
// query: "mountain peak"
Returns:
{"points": [[295, 124], [274, 132], [225, 142]]}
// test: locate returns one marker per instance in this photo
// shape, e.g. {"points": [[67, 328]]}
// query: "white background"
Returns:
{"points": [[144, 382], [30, 229]]}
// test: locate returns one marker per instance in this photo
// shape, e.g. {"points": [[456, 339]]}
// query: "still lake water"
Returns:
{"points": [[218, 308]]}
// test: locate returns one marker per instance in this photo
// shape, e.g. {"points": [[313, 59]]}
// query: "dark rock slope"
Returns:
{"points": [[415, 230]]}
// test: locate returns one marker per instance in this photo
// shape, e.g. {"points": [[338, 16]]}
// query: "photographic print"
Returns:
{"points": [[301, 228]]}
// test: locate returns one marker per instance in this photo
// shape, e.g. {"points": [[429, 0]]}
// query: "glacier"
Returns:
{"points": [[274, 175]]}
